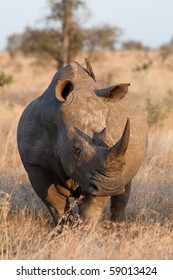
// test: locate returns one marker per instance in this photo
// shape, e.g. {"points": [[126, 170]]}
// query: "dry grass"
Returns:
{"points": [[25, 225]]}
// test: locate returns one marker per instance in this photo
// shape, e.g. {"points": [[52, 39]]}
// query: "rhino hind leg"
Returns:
{"points": [[118, 204], [41, 182]]}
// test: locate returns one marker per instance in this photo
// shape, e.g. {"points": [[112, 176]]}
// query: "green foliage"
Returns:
{"points": [[5, 79], [49, 40], [68, 39], [57, 8], [133, 45], [158, 111], [144, 66], [102, 38], [41, 41]]}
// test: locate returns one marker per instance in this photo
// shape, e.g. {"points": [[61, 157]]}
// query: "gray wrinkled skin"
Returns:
{"points": [[80, 138]]}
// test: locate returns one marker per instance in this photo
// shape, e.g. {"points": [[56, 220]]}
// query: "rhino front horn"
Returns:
{"points": [[120, 148]]}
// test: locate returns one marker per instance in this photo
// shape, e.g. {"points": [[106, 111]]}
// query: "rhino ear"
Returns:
{"points": [[63, 90], [113, 93]]}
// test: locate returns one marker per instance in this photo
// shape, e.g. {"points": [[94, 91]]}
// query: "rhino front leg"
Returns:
{"points": [[42, 183], [92, 207], [118, 204]]}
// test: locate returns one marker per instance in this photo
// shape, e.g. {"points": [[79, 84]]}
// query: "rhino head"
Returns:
{"points": [[81, 143]]}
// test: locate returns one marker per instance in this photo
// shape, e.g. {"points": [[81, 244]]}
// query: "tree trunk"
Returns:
{"points": [[66, 26]]}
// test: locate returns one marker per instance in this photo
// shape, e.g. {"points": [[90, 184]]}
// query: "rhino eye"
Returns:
{"points": [[77, 146], [77, 151]]}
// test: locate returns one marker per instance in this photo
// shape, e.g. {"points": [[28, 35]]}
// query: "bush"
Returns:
{"points": [[133, 45], [159, 111], [5, 79], [144, 66]]}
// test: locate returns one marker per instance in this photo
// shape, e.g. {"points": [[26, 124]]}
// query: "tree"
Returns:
{"points": [[67, 38], [133, 45], [102, 37], [14, 43], [166, 50], [168, 45], [43, 41], [62, 11]]}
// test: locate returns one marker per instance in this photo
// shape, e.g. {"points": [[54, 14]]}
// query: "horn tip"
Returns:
{"points": [[128, 122]]}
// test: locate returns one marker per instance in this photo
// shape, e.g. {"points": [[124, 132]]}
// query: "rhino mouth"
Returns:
{"points": [[97, 189]]}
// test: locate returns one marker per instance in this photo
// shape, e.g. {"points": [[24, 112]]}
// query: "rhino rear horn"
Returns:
{"points": [[120, 148], [113, 93], [100, 137], [64, 90]]}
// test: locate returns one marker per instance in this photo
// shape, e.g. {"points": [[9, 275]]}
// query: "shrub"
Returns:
{"points": [[5, 79], [142, 67], [133, 45], [159, 111]]}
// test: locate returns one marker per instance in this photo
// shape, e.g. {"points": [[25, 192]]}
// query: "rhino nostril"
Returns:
{"points": [[93, 189]]}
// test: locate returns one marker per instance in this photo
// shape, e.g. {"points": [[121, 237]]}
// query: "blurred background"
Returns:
{"points": [[147, 22], [127, 40]]}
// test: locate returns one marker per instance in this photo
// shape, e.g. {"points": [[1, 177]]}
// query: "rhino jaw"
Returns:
{"points": [[97, 191], [106, 185]]}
